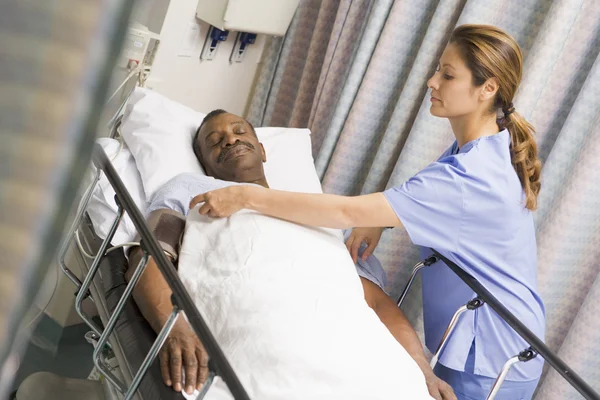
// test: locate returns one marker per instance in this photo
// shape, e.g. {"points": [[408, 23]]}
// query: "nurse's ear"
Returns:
{"points": [[489, 89]]}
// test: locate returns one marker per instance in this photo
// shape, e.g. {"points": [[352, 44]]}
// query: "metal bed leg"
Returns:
{"points": [[524, 356], [156, 346], [425, 263], [84, 289], [110, 325], [471, 305], [76, 222]]}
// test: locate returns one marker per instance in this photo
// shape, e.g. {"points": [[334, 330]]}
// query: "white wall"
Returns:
{"points": [[201, 85]]}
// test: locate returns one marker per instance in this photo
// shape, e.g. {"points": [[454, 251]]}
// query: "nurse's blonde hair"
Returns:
{"points": [[490, 52]]}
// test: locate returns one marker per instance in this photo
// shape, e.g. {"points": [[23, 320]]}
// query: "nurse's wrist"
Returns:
{"points": [[247, 197]]}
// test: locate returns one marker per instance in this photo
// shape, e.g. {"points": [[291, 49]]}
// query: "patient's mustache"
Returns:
{"points": [[227, 150]]}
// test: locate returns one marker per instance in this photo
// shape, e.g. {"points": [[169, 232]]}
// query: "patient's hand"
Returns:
{"points": [[370, 236], [438, 389], [182, 349]]}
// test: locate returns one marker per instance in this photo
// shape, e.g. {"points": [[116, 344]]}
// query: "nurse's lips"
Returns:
{"points": [[433, 99]]}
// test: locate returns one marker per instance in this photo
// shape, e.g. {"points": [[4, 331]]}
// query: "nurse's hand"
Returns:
{"points": [[370, 236], [221, 203], [438, 389]]}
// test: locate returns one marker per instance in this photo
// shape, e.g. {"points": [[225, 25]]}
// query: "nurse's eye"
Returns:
{"points": [[448, 77]]}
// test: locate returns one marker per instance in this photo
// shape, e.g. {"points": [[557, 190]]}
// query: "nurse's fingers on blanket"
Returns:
{"points": [[201, 198], [206, 209], [220, 203]]}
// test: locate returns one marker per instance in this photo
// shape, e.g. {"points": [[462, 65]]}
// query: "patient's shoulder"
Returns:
{"points": [[177, 193], [186, 178]]}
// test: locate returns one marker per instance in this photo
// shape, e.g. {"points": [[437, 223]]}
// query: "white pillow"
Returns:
{"points": [[159, 133], [290, 165], [102, 208]]}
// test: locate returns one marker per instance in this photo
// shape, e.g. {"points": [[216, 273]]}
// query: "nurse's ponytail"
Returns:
{"points": [[489, 52], [523, 154]]}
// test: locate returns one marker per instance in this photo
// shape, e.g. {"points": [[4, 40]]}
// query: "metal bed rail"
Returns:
{"points": [[97, 295], [536, 345], [218, 363]]}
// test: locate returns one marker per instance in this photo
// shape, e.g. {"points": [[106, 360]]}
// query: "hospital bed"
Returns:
{"points": [[127, 335], [125, 331]]}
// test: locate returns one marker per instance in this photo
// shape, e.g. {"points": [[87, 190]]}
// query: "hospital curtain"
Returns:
{"points": [[355, 71]]}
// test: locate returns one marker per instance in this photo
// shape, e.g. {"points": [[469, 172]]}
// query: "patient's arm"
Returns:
{"points": [[153, 297], [393, 318]]}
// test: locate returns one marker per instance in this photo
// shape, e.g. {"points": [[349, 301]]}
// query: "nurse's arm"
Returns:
{"points": [[325, 210]]}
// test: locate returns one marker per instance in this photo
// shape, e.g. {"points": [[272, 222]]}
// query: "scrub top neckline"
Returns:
{"points": [[469, 145]]}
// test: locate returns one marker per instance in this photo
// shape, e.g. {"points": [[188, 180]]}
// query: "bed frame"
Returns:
{"points": [[125, 330], [483, 298], [134, 343]]}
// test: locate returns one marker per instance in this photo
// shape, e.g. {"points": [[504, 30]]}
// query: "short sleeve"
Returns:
{"points": [[371, 268], [177, 193], [170, 196], [430, 206]]}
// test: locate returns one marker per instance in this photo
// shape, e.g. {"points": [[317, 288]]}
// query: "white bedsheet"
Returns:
{"points": [[287, 307]]}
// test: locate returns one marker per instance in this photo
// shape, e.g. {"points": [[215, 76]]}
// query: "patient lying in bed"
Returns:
{"points": [[283, 300]]}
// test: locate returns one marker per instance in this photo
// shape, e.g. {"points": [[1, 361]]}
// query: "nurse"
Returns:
{"points": [[474, 205]]}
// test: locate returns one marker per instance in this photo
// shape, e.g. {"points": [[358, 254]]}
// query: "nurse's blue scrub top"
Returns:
{"points": [[470, 206]]}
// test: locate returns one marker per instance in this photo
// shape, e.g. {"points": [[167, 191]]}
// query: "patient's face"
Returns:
{"points": [[230, 149]]}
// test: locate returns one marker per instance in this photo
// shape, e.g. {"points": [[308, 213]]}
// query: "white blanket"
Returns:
{"points": [[287, 307]]}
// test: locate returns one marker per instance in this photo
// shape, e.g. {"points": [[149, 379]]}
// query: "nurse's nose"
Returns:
{"points": [[432, 83]]}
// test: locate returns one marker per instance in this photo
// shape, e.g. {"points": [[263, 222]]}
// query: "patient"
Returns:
{"points": [[228, 149]]}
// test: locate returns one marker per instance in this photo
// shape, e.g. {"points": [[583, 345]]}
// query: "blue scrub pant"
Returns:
{"points": [[468, 386]]}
